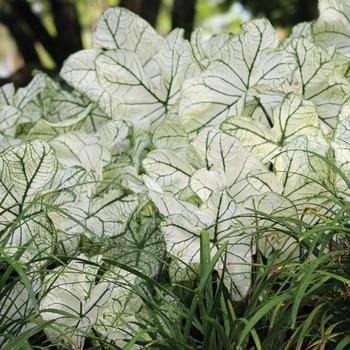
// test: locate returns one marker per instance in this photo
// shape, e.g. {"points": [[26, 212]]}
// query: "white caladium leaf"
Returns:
{"points": [[58, 105], [118, 318], [98, 217], [119, 28], [248, 60], [64, 240], [108, 215], [332, 27], [80, 149], [125, 84], [131, 94], [183, 225], [21, 106], [145, 93], [185, 214], [17, 309], [171, 134], [174, 63], [78, 180], [121, 174], [35, 235], [239, 252], [302, 30], [258, 139], [27, 99], [340, 144], [294, 117], [303, 175], [69, 213], [141, 146], [169, 169], [7, 94], [71, 298], [198, 48], [114, 136], [47, 131], [141, 245], [7, 142], [245, 175], [9, 117], [260, 103], [31, 235], [25, 170], [270, 236], [312, 65], [221, 206], [314, 78], [79, 71], [204, 182], [208, 48]]}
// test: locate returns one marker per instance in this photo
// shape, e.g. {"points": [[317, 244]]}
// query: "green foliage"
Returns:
{"points": [[285, 13], [174, 194]]}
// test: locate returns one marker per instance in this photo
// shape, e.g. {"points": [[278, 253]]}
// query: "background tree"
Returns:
{"points": [[183, 15], [285, 13], [27, 29], [148, 9], [29, 32]]}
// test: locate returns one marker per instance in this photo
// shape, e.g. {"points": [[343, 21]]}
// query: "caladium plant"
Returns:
{"points": [[157, 141]]}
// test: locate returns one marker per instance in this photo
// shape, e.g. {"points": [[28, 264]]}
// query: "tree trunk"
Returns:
{"points": [[68, 38], [311, 9], [23, 37], [183, 15], [24, 15], [132, 5], [147, 9]]}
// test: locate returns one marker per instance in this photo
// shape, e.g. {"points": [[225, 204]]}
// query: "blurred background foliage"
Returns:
{"points": [[41, 34]]}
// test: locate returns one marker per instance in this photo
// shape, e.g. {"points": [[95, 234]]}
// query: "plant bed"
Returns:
{"points": [[174, 194]]}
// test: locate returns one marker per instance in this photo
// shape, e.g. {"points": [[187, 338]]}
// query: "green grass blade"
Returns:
{"points": [[20, 341], [260, 314], [306, 280], [343, 343], [199, 291]]}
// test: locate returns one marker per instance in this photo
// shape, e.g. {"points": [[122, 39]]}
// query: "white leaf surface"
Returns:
{"points": [[247, 60], [270, 236], [71, 298], [169, 169], [25, 170], [294, 117], [315, 78], [80, 149], [245, 175], [119, 28], [332, 27]]}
